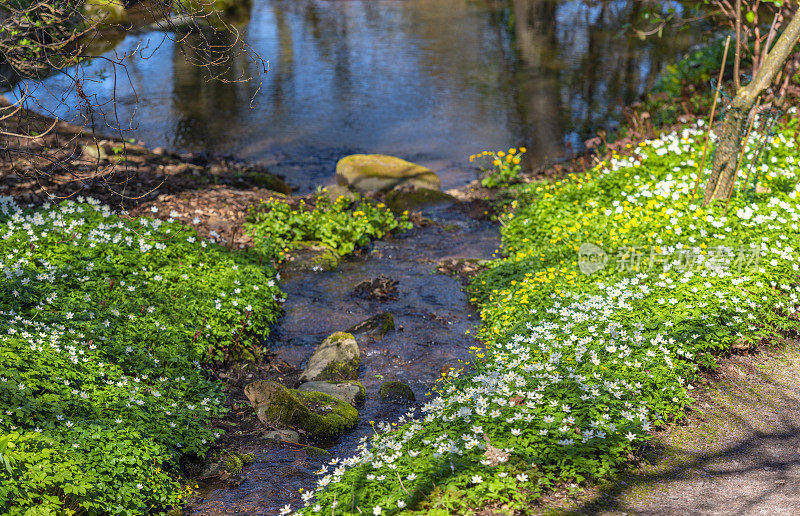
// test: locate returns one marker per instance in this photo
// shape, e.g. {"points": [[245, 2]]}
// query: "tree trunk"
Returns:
{"points": [[732, 128]]}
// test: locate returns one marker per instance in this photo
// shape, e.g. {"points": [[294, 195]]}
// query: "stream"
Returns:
{"points": [[431, 313]]}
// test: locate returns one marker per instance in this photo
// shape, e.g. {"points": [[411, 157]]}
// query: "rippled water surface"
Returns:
{"points": [[428, 80]]}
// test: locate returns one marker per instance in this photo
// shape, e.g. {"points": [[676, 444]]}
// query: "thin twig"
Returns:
{"points": [[739, 162], [711, 118]]}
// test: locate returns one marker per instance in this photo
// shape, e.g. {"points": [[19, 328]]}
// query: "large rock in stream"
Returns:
{"points": [[375, 173], [315, 413], [337, 358]]}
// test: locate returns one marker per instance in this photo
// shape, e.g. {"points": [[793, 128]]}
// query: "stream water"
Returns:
{"points": [[432, 81]]}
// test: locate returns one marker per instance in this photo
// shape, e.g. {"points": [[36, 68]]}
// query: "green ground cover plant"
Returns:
{"points": [[343, 224], [104, 325], [614, 288]]}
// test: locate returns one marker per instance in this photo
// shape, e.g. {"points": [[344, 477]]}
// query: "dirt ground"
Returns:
{"points": [[737, 453]]}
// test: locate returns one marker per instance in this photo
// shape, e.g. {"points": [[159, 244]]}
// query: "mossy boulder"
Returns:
{"points": [[336, 358], [315, 413], [353, 392], [373, 173], [316, 453], [107, 13], [396, 391], [235, 462], [311, 257], [415, 198], [375, 327]]}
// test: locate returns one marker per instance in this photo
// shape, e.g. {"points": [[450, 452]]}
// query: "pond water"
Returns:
{"points": [[428, 80]]}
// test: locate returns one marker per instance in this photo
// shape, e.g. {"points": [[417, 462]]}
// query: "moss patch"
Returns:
{"points": [[408, 200], [393, 390], [315, 413]]}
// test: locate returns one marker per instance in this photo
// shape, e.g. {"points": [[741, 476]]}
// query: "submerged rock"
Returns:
{"points": [[315, 413], [311, 257], [375, 327], [288, 436], [397, 391], [269, 181], [352, 392], [415, 198], [373, 173], [382, 288], [337, 358]]}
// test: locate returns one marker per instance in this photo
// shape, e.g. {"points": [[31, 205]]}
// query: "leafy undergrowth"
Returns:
{"points": [[343, 224], [579, 366], [104, 323]]}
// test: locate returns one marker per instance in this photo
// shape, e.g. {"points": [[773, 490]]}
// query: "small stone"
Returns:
{"points": [[336, 358], [397, 391], [282, 435], [94, 152]]}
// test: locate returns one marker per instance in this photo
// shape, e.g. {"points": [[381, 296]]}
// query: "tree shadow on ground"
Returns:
{"points": [[739, 452]]}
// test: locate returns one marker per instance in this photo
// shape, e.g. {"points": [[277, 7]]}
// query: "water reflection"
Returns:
{"points": [[429, 80]]}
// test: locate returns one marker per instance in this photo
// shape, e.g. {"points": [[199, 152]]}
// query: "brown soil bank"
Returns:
{"points": [[44, 160]]}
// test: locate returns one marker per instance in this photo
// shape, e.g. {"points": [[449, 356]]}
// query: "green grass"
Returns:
{"points": [[104, 323]]}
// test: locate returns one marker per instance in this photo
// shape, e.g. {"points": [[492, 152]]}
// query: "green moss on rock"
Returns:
{"points": [[370, 173], [312, 256], [269, 181], [376, 326], [234, 462], [408, 200], [353, 392], [316, 413], [337, 358], [317, 453], [393, 390]]}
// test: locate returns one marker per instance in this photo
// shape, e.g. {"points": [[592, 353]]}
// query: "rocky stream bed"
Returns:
{"points": [[430, 313]]}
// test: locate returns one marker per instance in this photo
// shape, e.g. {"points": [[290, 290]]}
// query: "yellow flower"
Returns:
{"points": [[501, 154], [496, 163], [523, 149], [512, 150], [516, 161]]}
